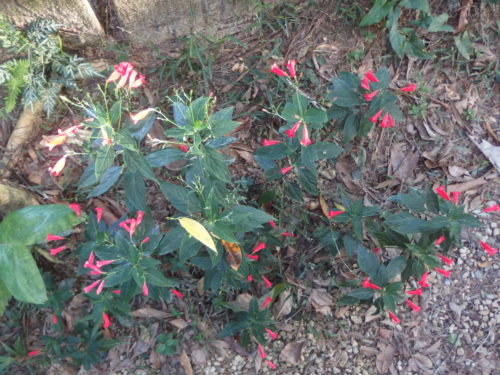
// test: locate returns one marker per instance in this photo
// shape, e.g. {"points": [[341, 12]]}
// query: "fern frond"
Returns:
{"points": [[4, 73], [18, 71], [48, 97]]}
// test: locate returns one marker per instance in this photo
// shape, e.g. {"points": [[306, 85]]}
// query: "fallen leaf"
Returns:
{"points": [[291, 352], [199, 356], [456, 171], [384, 357], [464, 186], [233, 254], [484, 264], [490, 151], [185, 363], [156, 359], [464, 14], [149, 312], [424, 360], [242, 302], [324, 206], [322, 301], [179, 323], [283, 306], [222, 348]]}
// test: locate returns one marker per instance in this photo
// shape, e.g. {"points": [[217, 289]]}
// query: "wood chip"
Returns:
{"points": [[185, 363]]}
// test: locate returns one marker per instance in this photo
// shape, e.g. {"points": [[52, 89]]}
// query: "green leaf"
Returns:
{"points": [[294, 192], [171, 241], [20, 274], [147, 124], [221, 122], [350, 127], [389, 302], [325, 150], [367, 262], [347, 300], [137, 163], [464, 45], [181, 198], [30, 225], [155, 277], [4, 297], [234, 327], [135, 191], [275, 152], [396, 266], [103, 160], [315, 117], [109, 178], [361, 293], [246, 217], [397, 40], [308, 181], [164, 157], [404, 223], [189, 248], [219, 143], [422, 5], [88, 177], [438, 24], [377, 13], [343, 93], [413, 200], [214, 164]]}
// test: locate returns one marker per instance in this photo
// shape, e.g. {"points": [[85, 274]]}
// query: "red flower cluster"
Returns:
{"points": [[130, 225], [290, 65], [126, 72]]}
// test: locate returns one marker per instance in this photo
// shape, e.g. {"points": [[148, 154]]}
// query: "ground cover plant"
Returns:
{"points": [[160, 219]]}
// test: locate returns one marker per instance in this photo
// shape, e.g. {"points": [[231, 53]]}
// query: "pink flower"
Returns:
{"points": [[290, 65], [385, 121], [51, 237], [184, 148], [116, 291], [291, 132], [261, 351], [90, 260], [285, 170], [100, 288], [423, 280], [102, 263], [493, 208], [57, 250], [267, 282], [413, 306], [75, 207], [253, 257], [446, 260], [371, 95], [176, 293], [145, 240], [367, 284], [98, 211], [442, 193], [260, 246], [268, 142], [375, 117], [249, 278], [365, 83], [140, 115], [106, 321], [439, 240], [488, 248], [455, 195], [394, 318], [442, 272], [390, 121], [409, 88], [273, 335], [306, 141], [272, 224], [34, 353], [267, 301], [371, 77], [145, 290], [54, 319], [88, 288], [125, 75], [58, 167], [287, 234], [416, 292], [276, 70], [273, 366], [332, 214], [376, 250], [138, 82]]}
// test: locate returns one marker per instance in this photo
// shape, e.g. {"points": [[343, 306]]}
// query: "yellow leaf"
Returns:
{"points": [[339, 206], [199, 232]]}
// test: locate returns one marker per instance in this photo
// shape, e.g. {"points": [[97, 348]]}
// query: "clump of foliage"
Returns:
{"points": [[39, 68]]}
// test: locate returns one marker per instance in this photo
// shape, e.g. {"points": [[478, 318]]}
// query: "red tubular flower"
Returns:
{"points": [[100, 288], [51, 237], [273, 366], [273, 335], [260, 246], [267, 282], [141, 80], [371, 95], [75, 207], [253, 257], [291, 132], [261, 351], [446, 260], [376, 250], [385, 121], [57, 250], [34, 353], [56, 141], [290, 65], [88, 288], [423, 280], [249, 278], [116, 291], [413, 306], [176, 293], [90, 260], [488, 248], [455, 195], [409, 88], [58, 167], [439, 240], [442, 193], [267, 301], [285, 170], [371, 77], [305, 141], [442, 272], [184, 148], [493, 208], [390, 121], [394, 318], [288, 234], [145, 289], [365, 83], [416, 292], [54, 319], [268, 142], [145, 240], [102, 263], [376, 116], [332, 214], [106, 321], [367, 284], [98, 211], [272, 224], [276, 70]]}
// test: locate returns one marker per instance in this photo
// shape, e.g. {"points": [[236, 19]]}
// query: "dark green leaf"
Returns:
{"points": [[350, 127], [377, 13], [343, 93], [396, 266], [422, 5], [275, 152], [172, 240], [135, 191], [108, 179], [181, 198], [438, 24], [103, 160], [413, 200], [294, 192], [308, 181], [404, 223], [367, 262], [221, 142], [137, 163], [163, 157], [361, 293], [145, 127]]}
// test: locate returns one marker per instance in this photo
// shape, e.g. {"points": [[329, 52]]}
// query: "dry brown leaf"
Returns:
{"points": [[324, 206], [424, 360], [283, 306], [490, 151], [344, 168], [464, 186], [484, 264], [149, 312], [199, 356], [242, 302], [156, 359], [222, 348], [322, 301], [179, 323], [233, 254], [185, 363], [384, 357], [291, 352], [456, 171], [407, 166], [464, 14]]}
